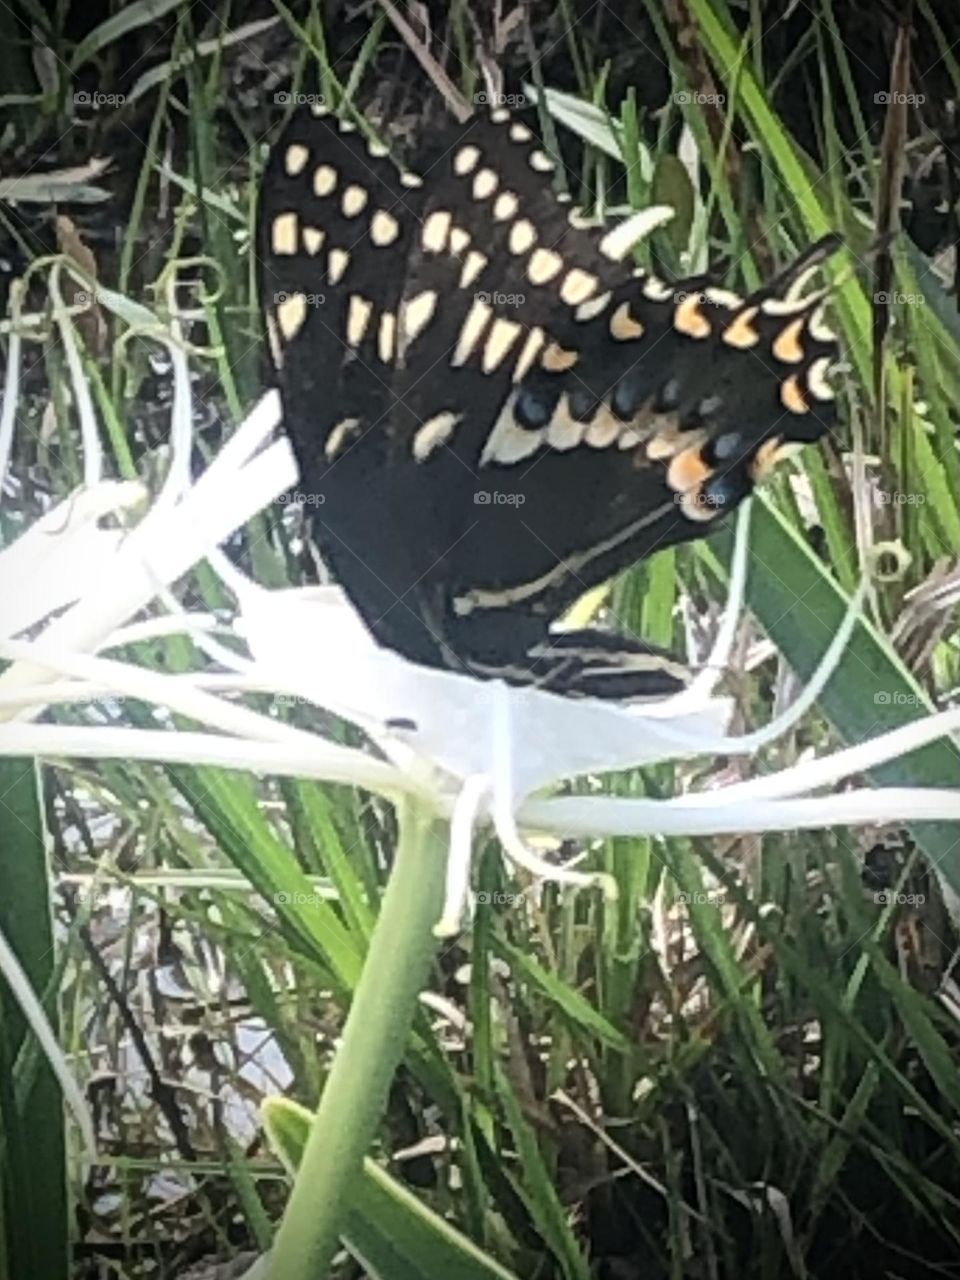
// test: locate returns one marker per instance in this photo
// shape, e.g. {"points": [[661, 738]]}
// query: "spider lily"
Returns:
{"points": [[472, 750], [459, 752]]}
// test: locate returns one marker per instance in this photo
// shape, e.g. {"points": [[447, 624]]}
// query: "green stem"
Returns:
{"points": [[374, 1040]]}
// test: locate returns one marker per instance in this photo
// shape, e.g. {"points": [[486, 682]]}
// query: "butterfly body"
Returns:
{"points": [[492, 411]]}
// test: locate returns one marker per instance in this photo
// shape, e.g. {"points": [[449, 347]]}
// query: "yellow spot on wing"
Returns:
{"points": [[465, 161], [459, 239], [386, 336], [541, 162], [503, 334], [291, 313], [590, 310], [577, 286], [338, 436], [543, 266], [295, 158], [470, 331], [505, 206], [534, 342], [337, 262], [523, 236], [472, 267], [313, 239], [435, 231], [358, 317], [324, 180], [273, 338], [354, 200], [384, 228], [416, 314], [283, 234], [508, 441], [433, 433], [485, 184], [564, 431]]}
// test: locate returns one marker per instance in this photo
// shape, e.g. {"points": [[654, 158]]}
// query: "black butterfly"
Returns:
{"points": [[492, 412]]}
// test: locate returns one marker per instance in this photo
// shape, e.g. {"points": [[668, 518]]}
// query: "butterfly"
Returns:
{"points": [[494, 410]]}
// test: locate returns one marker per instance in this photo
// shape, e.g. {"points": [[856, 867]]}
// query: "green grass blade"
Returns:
{"points": [[33, 1153]]}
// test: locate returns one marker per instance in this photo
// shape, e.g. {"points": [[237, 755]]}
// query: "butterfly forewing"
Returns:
{"points": [[337, 220]]}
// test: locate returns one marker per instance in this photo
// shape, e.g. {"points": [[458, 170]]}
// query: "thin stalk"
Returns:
{"points": [[374, 1039]]}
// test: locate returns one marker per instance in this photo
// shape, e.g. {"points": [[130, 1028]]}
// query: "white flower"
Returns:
{"points": [[475, 750]]}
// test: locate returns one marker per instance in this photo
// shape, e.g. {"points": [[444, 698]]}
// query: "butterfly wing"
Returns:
{"points": [[561, 414], [336, 222], [492, 411]]}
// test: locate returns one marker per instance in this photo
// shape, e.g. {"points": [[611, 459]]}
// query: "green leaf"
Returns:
{"points": [[395, 1235], [672, 186], [130, 17], [871, 691], [573, 1004]]}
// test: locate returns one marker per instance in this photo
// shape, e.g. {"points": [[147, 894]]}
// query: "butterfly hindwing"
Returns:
{"points": [[567, 413]]}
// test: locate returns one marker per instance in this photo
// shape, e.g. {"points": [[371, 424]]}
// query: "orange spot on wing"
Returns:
{"points": [[787, 345], [792, 397], [687, 470], [689, 319], [741, 332], [766, 458]]}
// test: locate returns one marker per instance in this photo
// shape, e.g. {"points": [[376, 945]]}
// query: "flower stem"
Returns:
{"points": [[374, 1039]]}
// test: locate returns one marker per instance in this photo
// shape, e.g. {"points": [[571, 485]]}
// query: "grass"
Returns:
{"points": [[746, 1065]]}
